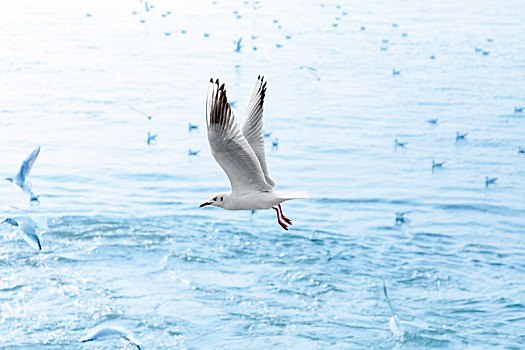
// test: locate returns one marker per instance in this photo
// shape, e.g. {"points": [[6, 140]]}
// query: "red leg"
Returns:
{"points": [[288, 221], [279, 219]]}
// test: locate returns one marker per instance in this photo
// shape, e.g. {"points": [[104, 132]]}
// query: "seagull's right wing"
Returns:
{"points": [[26, 166], [252, 127], [229, 146]]}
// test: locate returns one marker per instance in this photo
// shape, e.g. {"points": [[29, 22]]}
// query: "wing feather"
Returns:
{"points": [[229, 146], [27, 164], [253, 124]]}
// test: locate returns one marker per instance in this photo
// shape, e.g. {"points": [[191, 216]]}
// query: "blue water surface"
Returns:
{"points": [[124, 242]]}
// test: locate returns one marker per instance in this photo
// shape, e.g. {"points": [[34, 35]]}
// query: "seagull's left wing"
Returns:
{"points": [[229, 146], [252, 127], [26, 166]]}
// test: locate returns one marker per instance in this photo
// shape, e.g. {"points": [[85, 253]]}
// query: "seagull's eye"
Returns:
{"points": [[215, 198], [221, 199]]}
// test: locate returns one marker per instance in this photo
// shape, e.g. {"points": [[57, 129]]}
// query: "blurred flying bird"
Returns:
{"points": [[490, 180], [105, 332], [436, 164], [433, 121], [192, 126], [395, 72], [238, 45], [20, 179], [460, 136], [151, 138], [521, 150], [27, 228], [518, 109], [240, 153], [398, 143], [193, 153], [275, 143], [267, 134]]}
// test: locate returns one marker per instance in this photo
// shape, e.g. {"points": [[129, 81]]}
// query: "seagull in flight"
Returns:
{"points": [[105, 332], [21, 178], [240, 153], [27, 228]]}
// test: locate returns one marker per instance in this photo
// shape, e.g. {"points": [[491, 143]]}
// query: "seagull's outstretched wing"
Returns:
{"points": [[26, 167], [252, 127], [229, 146]]}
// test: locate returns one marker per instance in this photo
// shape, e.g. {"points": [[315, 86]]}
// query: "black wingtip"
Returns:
{"points": [[211, 80], [222, 86]]}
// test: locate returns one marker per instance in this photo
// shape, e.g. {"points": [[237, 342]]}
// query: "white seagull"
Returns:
{"points": [[21, 178], [105, 332], [240, 153], [27, 228]]}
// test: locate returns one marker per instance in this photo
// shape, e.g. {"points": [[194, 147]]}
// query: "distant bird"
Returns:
{"points": [[404, 35], [20, 179], [140, 112], [147, 8], [193, 153], [363, 28], [238, 45], [192, 126], [395, 72], [142, 21], [436, 164], [460, 136], [334, 25], [518, 109], [88, 15], [489, 40], [275, 21], [255, 48], [344, 13], [167, 33], [163, 15], [254, 37], [183, 31], [278, 45], [105, 332], [206, 35], [433, 121], [477, 49], [275, 143], [288, 37], [485, 53], [432, 57], [240, 153], [490, 181], [398, 143], [33, 198], [401, 219], [134, 12], [27, 228], [151, 138], [267, 134], [168, 12], [521, 150]]}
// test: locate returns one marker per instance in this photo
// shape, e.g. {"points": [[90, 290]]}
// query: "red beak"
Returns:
{"points": [[204, 204]]}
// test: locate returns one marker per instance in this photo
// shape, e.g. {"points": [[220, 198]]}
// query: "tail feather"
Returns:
{"points": [[294, 195]]}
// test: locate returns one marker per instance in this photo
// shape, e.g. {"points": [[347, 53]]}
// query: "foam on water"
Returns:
{"points": [[126, 244]]}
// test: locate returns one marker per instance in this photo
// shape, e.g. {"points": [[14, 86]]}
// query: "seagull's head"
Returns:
{"points": [[10, 221], [218, 200]]}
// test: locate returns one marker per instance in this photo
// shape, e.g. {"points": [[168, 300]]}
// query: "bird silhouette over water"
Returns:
{"points": [[192, 126], [521, 150], [460, 136], [193, 153], [241, 154], [238, 45], [433, 121], [151, 138], [436, 164], [518, 109], [398, 143], [490, 180]]}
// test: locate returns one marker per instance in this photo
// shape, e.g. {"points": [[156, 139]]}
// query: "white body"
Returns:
{"points": [[259, 200], [109, 332]]}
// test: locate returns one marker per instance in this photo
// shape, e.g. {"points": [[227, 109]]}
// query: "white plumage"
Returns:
{"points": [[241, 154]]}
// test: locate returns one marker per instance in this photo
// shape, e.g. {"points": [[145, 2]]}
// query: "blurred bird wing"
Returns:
{"points": [[253, 124], [27, 164], [229, 146]]}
